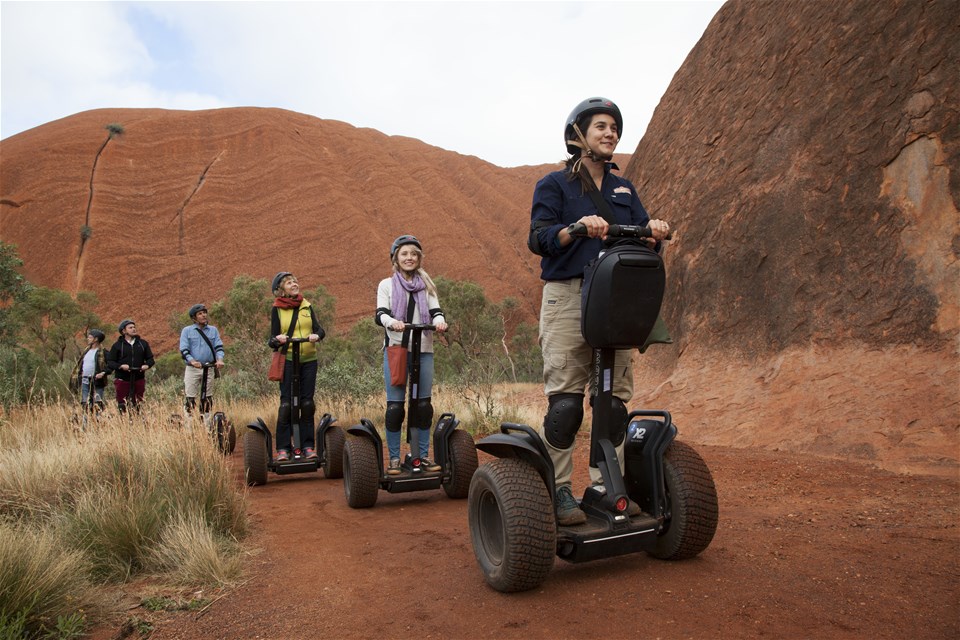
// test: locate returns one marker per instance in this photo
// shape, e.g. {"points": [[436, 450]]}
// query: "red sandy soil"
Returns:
{"points": [[805, 548]]}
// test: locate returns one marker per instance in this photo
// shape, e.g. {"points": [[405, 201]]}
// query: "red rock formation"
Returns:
{"points": [[807, 153], [181, 202]]}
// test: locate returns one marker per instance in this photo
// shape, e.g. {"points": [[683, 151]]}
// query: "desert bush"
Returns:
{"points": [[44, 585], [115, 129], [191, 553], [112, 493]]}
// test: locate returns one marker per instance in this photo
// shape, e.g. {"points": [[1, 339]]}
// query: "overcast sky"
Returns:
{"points": [[490, 79]]}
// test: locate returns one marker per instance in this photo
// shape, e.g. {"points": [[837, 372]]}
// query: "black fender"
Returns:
{"points": [[646, 442], [446, 424], [261, 426], [523, 442], [366, 430]]}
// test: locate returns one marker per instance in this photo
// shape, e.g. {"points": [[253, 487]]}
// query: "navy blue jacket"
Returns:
{"points": [[559, 202]]}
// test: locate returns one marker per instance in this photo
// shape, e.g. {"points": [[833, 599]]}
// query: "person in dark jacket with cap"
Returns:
{"points": [[129, 358], [200, 344]]}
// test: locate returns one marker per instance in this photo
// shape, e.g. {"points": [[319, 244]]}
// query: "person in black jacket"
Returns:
{"points": [[129, 358]]}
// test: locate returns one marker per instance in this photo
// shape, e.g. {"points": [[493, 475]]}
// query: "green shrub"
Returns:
{"points": [[115, 129]]}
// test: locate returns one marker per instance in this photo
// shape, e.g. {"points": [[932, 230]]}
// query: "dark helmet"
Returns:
{"points": [[123, 324], [98, 335], [589, 107], [277, 279], [402, 240], [195, 309]]}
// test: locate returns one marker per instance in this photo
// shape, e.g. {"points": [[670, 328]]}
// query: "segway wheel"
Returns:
{"points": [[361, 475], [232, 438], [463, 460], [512, 525], [226, 436], [333, 441], [254, 458], [691, 504]]}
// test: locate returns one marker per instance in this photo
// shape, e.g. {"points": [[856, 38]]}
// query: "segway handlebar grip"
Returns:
{"points": [[579, 230]]}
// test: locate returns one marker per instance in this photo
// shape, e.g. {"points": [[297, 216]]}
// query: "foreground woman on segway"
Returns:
{"points": [[585, 191], [408, 297], [292, 317], [409, 312]]}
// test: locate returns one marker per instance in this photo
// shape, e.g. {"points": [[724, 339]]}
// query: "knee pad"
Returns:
{"points": [[283, 414], [190, 404], [424, 413], [562, 422], [307, 410], [394, 416], [618, 417]]}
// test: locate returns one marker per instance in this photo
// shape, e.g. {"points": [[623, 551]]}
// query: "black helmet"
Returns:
{"points": [[589, 107], [402, 240], [98, 335], [123, 324], [195, 309], [277, 279]]}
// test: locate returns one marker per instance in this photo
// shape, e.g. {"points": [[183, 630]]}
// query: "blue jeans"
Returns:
{"points": [[308, 384], [86, 386], [398, 393]]}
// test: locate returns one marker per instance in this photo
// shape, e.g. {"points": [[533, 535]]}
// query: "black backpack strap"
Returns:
{"points": [[602, 207], [411, 303], [293, 324]]}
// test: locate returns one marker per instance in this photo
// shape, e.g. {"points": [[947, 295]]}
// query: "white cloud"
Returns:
{"points": [[492, 79]]}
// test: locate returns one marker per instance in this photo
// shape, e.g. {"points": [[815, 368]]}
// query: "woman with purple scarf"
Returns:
{"points": [[408, 296]]}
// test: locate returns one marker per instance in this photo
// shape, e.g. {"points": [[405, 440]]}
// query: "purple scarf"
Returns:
{"points": [[399, 297]]}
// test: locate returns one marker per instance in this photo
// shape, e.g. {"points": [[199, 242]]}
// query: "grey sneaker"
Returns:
{"points": [[429, 465], [394, 468], [568, 511]]}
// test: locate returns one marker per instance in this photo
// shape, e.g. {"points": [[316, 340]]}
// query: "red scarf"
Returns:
{"points": [[288, 303]]}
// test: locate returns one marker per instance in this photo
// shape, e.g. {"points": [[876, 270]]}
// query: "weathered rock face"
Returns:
{"points": [[180, 203], [807, 154]]}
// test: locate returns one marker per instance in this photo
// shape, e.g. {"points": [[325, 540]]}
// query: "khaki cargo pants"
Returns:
{"points": [[567, 364]]}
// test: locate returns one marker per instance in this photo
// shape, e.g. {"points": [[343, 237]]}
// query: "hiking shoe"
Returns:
{"points": [[310, 453], [429, 465], [283, 455], [394, 468], [568, 511]]}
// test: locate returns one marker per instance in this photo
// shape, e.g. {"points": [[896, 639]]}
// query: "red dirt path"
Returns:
{"points": [[806, 548]]}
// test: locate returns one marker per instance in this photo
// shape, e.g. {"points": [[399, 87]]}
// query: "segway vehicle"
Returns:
{"points": [[217, 425], [258, 447], [363, 462], [511, 511]]}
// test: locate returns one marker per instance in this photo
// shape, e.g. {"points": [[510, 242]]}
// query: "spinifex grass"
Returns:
{"points": [[114, 499]]}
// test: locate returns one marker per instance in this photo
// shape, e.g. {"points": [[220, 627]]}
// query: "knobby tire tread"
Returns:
{"points": [[529, 525], [334, 440], [254, 458], [361, 472], [693, 504], [463, 456]]}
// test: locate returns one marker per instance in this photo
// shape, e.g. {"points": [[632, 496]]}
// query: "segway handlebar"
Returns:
{"points": [[579, 230], [418, 326]]}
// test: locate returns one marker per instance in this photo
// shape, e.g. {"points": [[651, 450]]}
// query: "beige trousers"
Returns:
{"points": [[567, 364]]}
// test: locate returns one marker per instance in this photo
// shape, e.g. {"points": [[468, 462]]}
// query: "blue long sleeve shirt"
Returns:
{"points": [[559, 202], [193, 347]]}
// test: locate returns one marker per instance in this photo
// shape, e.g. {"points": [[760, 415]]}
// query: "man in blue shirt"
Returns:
{"points": [[200, 344], [584, 191]]}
